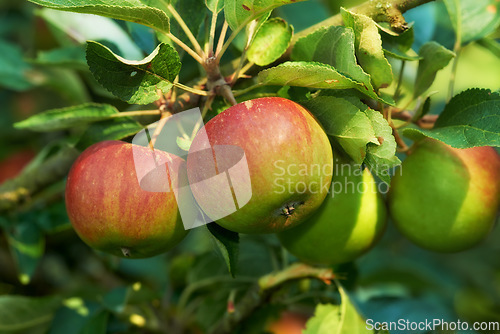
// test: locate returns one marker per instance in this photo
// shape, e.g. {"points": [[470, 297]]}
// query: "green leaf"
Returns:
{"points": [[312, 75], [134, 81], [193, 13], [345, 122], [14, 70], [184, 143], [333, 46], [253, 27], [228, 244], [70, 56], [27, 245], [473, 20], [423, 109], [338, 319], [368, 44], [114, 129], [240, 12], [381, 157], [71, 28], [305, 74], [491, 45], [398, 46], [215, 6], [127, 10], [20, 313], [97, 324], [434, 58], [66, 82], [470, 119], [270, 42], [78, 316], [64, 118], [116, 299]]}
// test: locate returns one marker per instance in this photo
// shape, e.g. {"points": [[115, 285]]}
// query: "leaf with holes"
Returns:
{"points": [[134, 81]]}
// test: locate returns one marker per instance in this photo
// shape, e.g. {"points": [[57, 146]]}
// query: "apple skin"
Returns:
{"points": [[274, 133], [349, 222], [288, 323], [111, 212], [446, 199]]}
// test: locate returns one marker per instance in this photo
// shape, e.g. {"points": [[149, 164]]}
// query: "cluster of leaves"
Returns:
{"points": [[337, 72]]}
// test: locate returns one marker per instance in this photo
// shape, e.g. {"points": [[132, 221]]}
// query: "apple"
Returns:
{"points": [[288, 323], [277, 162], [109, 209], [11, 166], [348, 223], [446, 199]]}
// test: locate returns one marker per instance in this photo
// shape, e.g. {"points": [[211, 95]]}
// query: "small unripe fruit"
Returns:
{"points": [[446, 199], [111, 212]]}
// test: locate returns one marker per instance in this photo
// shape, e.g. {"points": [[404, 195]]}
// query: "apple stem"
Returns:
{"points": [[125, 251]]}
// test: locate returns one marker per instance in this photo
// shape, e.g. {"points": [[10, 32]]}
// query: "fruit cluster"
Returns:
{"points": [[443, 199]]}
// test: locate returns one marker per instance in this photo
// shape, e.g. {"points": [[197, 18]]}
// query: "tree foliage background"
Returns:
{"points": [[51, 282]]}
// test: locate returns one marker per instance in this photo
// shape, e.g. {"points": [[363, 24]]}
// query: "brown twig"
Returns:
{"points": [[390, 11], [216, 83], [426, 122], [264, 290], [399, 141]]}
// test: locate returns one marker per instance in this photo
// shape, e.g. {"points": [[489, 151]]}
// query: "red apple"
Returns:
{"points": [[288, 323], [111, 212], [12, 165], [267, 166]]}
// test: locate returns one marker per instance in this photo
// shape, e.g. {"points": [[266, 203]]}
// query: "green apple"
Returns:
{"points": [[446, 199], [109, 209], [278, 162], [349, 222]]}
